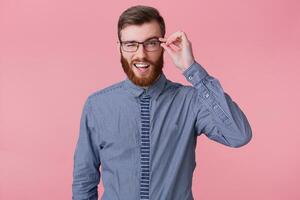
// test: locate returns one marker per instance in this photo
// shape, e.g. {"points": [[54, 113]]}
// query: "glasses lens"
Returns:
{"points": [[152, 45], [130, 46]]}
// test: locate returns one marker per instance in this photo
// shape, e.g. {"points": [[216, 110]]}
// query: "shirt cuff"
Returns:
{"points": [[194, 73]]}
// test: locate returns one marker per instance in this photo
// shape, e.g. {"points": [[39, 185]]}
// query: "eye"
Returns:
{"points": [[131, 44], [152, 43]]}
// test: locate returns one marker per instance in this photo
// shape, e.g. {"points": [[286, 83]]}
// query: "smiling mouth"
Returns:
{"points": [[142, 67]]}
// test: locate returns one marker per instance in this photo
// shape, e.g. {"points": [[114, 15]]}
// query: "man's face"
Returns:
{"points": [[142, 76]]}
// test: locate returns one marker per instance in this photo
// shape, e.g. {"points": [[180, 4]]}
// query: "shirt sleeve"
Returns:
{"points": [[86, 174], [217, 115]]}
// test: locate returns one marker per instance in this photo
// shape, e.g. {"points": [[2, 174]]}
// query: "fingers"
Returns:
{"points": [[178, 36], [174, 47], [167, 48], [173, 39], [172, 44], [162, 39]]}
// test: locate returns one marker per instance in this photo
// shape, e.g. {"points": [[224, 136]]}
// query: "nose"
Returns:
{"points": [[141, 52]]}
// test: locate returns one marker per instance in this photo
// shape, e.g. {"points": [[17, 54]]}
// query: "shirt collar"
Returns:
{"points": [[153, 90]]}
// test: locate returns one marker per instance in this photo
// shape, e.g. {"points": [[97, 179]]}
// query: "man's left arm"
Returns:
{"points": [[217, 115]]}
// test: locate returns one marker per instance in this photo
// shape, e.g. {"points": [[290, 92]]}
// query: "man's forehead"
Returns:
{"points": [[140, 32]]}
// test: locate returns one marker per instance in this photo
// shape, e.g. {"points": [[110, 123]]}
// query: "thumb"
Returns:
{"points": [[168, 49]]}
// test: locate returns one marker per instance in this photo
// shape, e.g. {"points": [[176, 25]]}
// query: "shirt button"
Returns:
{"points": [[215, 106], [190, 77], [206, 95]]}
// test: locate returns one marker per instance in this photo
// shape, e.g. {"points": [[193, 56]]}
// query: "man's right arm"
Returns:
{"points": [[86, 174]]}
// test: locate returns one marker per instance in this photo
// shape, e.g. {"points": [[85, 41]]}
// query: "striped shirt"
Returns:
{"points": [[141, 142]]}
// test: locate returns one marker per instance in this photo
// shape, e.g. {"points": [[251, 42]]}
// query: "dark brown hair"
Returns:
{"points": [[137, 15]]}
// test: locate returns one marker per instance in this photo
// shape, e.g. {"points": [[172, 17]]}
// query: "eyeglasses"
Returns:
{"points": [[149, 45]]}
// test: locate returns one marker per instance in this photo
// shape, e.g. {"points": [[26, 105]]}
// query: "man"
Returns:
{"points": [[143, 130]]}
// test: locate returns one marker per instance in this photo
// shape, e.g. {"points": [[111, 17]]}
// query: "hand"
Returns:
{"points": [[179, 48]]}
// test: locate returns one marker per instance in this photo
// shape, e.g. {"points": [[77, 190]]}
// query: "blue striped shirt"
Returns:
{"points": [[141, 142]]}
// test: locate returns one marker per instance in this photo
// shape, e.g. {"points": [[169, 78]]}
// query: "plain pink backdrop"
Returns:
{"points": [[53, 54]]}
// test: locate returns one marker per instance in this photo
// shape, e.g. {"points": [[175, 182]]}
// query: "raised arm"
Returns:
{"points": [[217, 115]]}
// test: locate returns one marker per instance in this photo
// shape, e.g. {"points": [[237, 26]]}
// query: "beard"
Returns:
{"points": [[155, 70]]}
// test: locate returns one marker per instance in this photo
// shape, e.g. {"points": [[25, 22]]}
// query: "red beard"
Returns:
{"points": [[146, 81]]}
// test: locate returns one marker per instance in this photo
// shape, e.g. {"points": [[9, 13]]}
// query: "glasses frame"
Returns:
{"points": [[122, 42]]}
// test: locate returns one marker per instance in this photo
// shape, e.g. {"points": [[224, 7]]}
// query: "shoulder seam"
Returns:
{"points": [[107, 89]]}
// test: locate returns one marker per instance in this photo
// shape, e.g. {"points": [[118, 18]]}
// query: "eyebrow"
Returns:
{"points": [[156, 37]]}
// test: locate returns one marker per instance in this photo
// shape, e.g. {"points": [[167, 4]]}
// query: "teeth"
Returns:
{"points": [[141, 65]]}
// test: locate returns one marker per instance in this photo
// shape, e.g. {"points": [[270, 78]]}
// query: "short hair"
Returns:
{"points": [[138, 15]]}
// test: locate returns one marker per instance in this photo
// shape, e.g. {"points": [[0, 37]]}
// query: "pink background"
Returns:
{"points": [[53, 54]]}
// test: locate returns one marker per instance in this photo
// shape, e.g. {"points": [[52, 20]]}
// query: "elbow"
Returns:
{"points": [[241, 142], [245, 138]]}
